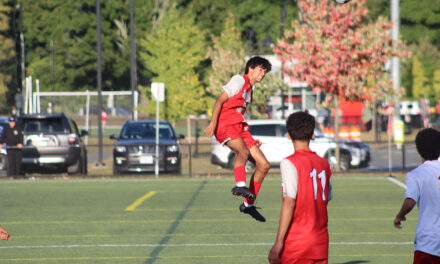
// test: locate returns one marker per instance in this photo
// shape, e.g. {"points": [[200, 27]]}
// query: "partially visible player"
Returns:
{"points": [[302, 233], [4, 235], [423, 189], [229, 127]]}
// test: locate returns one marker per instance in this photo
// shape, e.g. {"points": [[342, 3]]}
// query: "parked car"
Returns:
{"points": [[4, 121], [276, 146], [135, 148], [52, 142]]}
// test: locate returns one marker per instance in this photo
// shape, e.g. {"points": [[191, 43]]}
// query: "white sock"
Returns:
{"points": [[248, 205], [240, 184]]}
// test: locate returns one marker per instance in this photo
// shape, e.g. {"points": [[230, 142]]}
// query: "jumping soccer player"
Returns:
{"points": [[302, 233], [230, 128], [423, 189]]}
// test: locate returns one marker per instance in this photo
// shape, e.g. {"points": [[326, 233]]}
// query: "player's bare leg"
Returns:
{"points": [[262, 167], [242, 154]]}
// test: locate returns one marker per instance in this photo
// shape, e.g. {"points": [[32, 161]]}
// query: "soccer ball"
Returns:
{"points": [[341, 1]]}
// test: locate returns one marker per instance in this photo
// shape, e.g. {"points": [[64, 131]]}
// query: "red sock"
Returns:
{"points": [[240, 175], [254, 187]]}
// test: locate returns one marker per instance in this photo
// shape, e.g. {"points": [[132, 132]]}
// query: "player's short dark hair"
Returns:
{"points": [[300, 126], [428, 143], [258, 61]]}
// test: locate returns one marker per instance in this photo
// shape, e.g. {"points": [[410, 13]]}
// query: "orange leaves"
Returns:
{"points": [[336, 50]]}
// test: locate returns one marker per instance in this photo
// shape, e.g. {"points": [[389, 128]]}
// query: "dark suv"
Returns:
{"points": [[52, 142], [135, 148]]}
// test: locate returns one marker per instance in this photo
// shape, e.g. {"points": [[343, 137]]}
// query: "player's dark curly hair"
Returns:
{"points": [[258, 61], [300, 126], [428, 143]]}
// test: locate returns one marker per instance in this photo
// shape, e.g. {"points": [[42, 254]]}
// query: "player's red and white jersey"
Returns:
{"points": [[234, 108], [308, 234]]}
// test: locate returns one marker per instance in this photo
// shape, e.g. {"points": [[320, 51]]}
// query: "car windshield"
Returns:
{"points": [[146, 131], [46, 125]]}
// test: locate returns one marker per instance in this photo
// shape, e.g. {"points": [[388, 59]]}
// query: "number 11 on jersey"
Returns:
{"points": [[323, 179]]}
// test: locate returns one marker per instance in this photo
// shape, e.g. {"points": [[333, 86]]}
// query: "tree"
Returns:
{"points": [[420, 19], [420, 82], [7, 56], [227, 56], [436, 85], [172, 53], [335, 50], [71, 25]]}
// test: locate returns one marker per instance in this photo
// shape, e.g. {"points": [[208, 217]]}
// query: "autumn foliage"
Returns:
{"points": [[336, 50]]}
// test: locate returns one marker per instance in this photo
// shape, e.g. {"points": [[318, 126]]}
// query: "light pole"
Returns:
{"points": [[132, 59], [266, 42], [99, 77], [23, 59]]}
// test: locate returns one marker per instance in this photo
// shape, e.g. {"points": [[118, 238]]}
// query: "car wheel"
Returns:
{"points": [[84, 168], [344, 162], [75, 168], [231, 161]]}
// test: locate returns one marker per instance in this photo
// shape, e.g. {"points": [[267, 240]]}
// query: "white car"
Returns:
{"points": [[276, 146]]}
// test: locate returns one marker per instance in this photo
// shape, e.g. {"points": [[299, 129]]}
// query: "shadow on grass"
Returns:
{"points": [[174, 225]]}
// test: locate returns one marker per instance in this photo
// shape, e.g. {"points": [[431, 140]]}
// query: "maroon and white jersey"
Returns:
{"points": [[307, 237], [239, 91]]}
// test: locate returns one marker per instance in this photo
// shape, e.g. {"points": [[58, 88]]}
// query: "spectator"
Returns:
{"points": [[424, 111], [437, 110], [321, 115], [367, 116], [12, 136], [423, 185]]}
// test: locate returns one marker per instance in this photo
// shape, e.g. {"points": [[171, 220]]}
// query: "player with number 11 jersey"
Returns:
{"points": [[302, 233]]}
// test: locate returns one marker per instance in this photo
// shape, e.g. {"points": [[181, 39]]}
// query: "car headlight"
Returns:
{"points": [[120, 149], [173, 148]]}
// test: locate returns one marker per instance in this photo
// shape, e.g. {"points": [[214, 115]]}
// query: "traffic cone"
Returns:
{"points": [[355, 133]]}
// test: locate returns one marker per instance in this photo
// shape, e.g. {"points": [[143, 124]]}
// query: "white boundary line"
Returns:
{"points": [[194, 245], [399, 183]]}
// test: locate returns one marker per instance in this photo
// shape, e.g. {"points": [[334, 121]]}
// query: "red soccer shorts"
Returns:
{"points": [[230, 132], [425, 258], [307, 261]]}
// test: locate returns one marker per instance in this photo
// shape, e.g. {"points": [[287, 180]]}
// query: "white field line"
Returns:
{"points": [[192, 245], [399, 183]]}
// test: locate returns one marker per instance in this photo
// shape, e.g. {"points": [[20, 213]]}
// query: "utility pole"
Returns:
{"points": [[132, 59], [23, 58], [99, 77], [283, 17], [395, 63]]}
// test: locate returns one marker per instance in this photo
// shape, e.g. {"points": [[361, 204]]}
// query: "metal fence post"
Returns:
{"points": [[189, 159]]}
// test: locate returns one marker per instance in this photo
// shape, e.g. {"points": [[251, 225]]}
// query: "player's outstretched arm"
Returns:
{"points": [[407, 206], [210, 129], [4, 234]]}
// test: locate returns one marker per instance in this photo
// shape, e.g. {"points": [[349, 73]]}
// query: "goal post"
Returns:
{"points": [[84, 103]]}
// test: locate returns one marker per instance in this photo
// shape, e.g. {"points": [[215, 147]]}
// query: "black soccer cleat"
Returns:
{"points": [[243, 191], [252, 211]]}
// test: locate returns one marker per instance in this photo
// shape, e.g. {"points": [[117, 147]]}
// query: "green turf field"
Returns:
{"points": [[183, 220]]}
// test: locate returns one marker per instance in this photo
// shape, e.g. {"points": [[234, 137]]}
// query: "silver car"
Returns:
{"points": [[52, 142]]}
